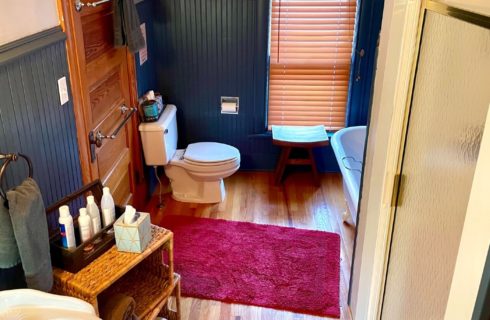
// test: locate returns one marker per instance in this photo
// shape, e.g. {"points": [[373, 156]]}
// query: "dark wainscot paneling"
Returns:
{"points": [[31, 118]]}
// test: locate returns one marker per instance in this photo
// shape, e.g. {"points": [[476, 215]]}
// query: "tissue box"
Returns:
{"points": [[133, 237]]}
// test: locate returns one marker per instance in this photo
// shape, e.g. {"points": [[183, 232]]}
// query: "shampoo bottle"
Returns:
{"points": [[85, 225], [66, 228], [108, 208], [93, 212]]}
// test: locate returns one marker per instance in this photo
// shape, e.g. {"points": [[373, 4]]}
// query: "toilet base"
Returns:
{"points": [[187, 189], [213, 192]]}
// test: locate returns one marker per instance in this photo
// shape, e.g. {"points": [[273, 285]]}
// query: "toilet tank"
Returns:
{"points": [[160, 138]]}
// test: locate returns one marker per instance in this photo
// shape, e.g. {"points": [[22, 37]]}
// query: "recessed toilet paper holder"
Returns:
{"points": [[230, 105]]}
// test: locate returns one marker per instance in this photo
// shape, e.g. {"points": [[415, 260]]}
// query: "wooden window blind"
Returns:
{"points": [[310, 58]]}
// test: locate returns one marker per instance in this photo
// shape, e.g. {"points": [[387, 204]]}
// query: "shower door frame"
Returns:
{"points": [[379, 196], [398, 185]]}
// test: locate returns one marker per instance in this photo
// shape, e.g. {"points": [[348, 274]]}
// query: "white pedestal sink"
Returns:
{"points": [[27, 304]]}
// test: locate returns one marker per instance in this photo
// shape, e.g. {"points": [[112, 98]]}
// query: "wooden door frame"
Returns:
{"points": [[67, 21]]}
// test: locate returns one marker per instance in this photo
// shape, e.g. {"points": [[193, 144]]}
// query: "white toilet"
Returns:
{"points": [[196, 173]]}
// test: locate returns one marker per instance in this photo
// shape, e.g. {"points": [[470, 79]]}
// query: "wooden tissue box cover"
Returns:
{"points": [[135, 237]]}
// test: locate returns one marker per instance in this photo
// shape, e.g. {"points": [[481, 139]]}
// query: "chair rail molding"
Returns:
{"points": [[29, 44]]}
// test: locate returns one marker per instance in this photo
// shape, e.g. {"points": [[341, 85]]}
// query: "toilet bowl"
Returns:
{"points": [[196, 173]]}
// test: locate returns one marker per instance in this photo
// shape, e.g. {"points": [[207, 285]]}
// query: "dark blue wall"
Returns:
{"points": [[205, 49], [146, 74], [31, 118], [363, 68]]}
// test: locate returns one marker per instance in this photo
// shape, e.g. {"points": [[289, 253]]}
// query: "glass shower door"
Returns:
{"points": [[447, 115]]}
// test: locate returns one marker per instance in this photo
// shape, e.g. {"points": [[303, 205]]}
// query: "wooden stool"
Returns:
{"points": [[305, 137]]}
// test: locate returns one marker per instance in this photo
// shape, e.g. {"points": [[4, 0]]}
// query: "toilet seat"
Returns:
{"points": [[202, 171], [209, 164], [224, 159], [210, 153]]}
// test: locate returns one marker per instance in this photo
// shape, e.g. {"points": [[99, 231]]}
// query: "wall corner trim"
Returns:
{"points": [[24, 46]]}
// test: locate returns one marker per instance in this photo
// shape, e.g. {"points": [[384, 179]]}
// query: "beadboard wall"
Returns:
{"points": [[206, 49], [31, 118]]}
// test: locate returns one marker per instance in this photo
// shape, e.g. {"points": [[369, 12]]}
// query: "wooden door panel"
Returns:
{"points": [[107, 62], [122, 193], [119, 179], [97, 34], [112, 120], [103, 81], [107, 95], [110, 152]]}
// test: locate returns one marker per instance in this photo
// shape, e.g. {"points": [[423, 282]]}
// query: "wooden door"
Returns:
{"points": [[104, 93]]}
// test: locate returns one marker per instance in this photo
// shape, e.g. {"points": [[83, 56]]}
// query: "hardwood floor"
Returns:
{"points": [[253, 197]]}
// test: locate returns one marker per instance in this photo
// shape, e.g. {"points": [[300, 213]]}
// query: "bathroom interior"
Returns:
{"points": [[205, 159]]}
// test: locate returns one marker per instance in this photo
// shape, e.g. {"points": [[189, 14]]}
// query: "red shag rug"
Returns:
{"points": [[262, 265]]}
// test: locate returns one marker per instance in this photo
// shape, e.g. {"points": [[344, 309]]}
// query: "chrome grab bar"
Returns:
{"points": [[99, 136], [349, 168], [79, 4]]}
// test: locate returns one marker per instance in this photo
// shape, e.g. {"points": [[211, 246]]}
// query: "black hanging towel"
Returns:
{"points": [[127, 30]]}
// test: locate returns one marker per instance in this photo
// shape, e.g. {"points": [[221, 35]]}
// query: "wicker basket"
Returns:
{"points": [[74, 260], [142, 276]]}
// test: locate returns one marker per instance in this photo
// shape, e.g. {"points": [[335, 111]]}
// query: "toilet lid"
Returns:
{"points": [[210, 152]]}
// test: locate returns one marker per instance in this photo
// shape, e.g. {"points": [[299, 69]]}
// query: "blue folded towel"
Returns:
{"points": [[30, 227]]}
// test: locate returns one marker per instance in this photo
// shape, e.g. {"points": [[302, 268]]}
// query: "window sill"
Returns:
{"points": [[268, 134]]}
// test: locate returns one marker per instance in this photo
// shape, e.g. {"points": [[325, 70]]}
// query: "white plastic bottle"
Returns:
{"points": [[93, 212], [85, 225], [66, 228], [108, 207]]}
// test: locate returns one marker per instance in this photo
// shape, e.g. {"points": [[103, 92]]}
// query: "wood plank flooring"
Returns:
{"points": [[253, 197]]}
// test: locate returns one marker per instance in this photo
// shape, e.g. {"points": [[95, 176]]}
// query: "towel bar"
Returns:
{"points": [[7, 159], [80, 4]]}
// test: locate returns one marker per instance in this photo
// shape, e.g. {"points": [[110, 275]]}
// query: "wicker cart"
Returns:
{"points": [[148, 277]]}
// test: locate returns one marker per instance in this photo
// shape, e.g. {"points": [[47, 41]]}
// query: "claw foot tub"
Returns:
{"points": [[348, 146]]}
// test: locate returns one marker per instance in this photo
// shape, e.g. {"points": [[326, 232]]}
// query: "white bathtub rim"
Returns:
{"points": [[351, 178]]}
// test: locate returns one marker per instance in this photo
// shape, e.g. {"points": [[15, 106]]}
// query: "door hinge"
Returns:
{"points": [[398, 190]]}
